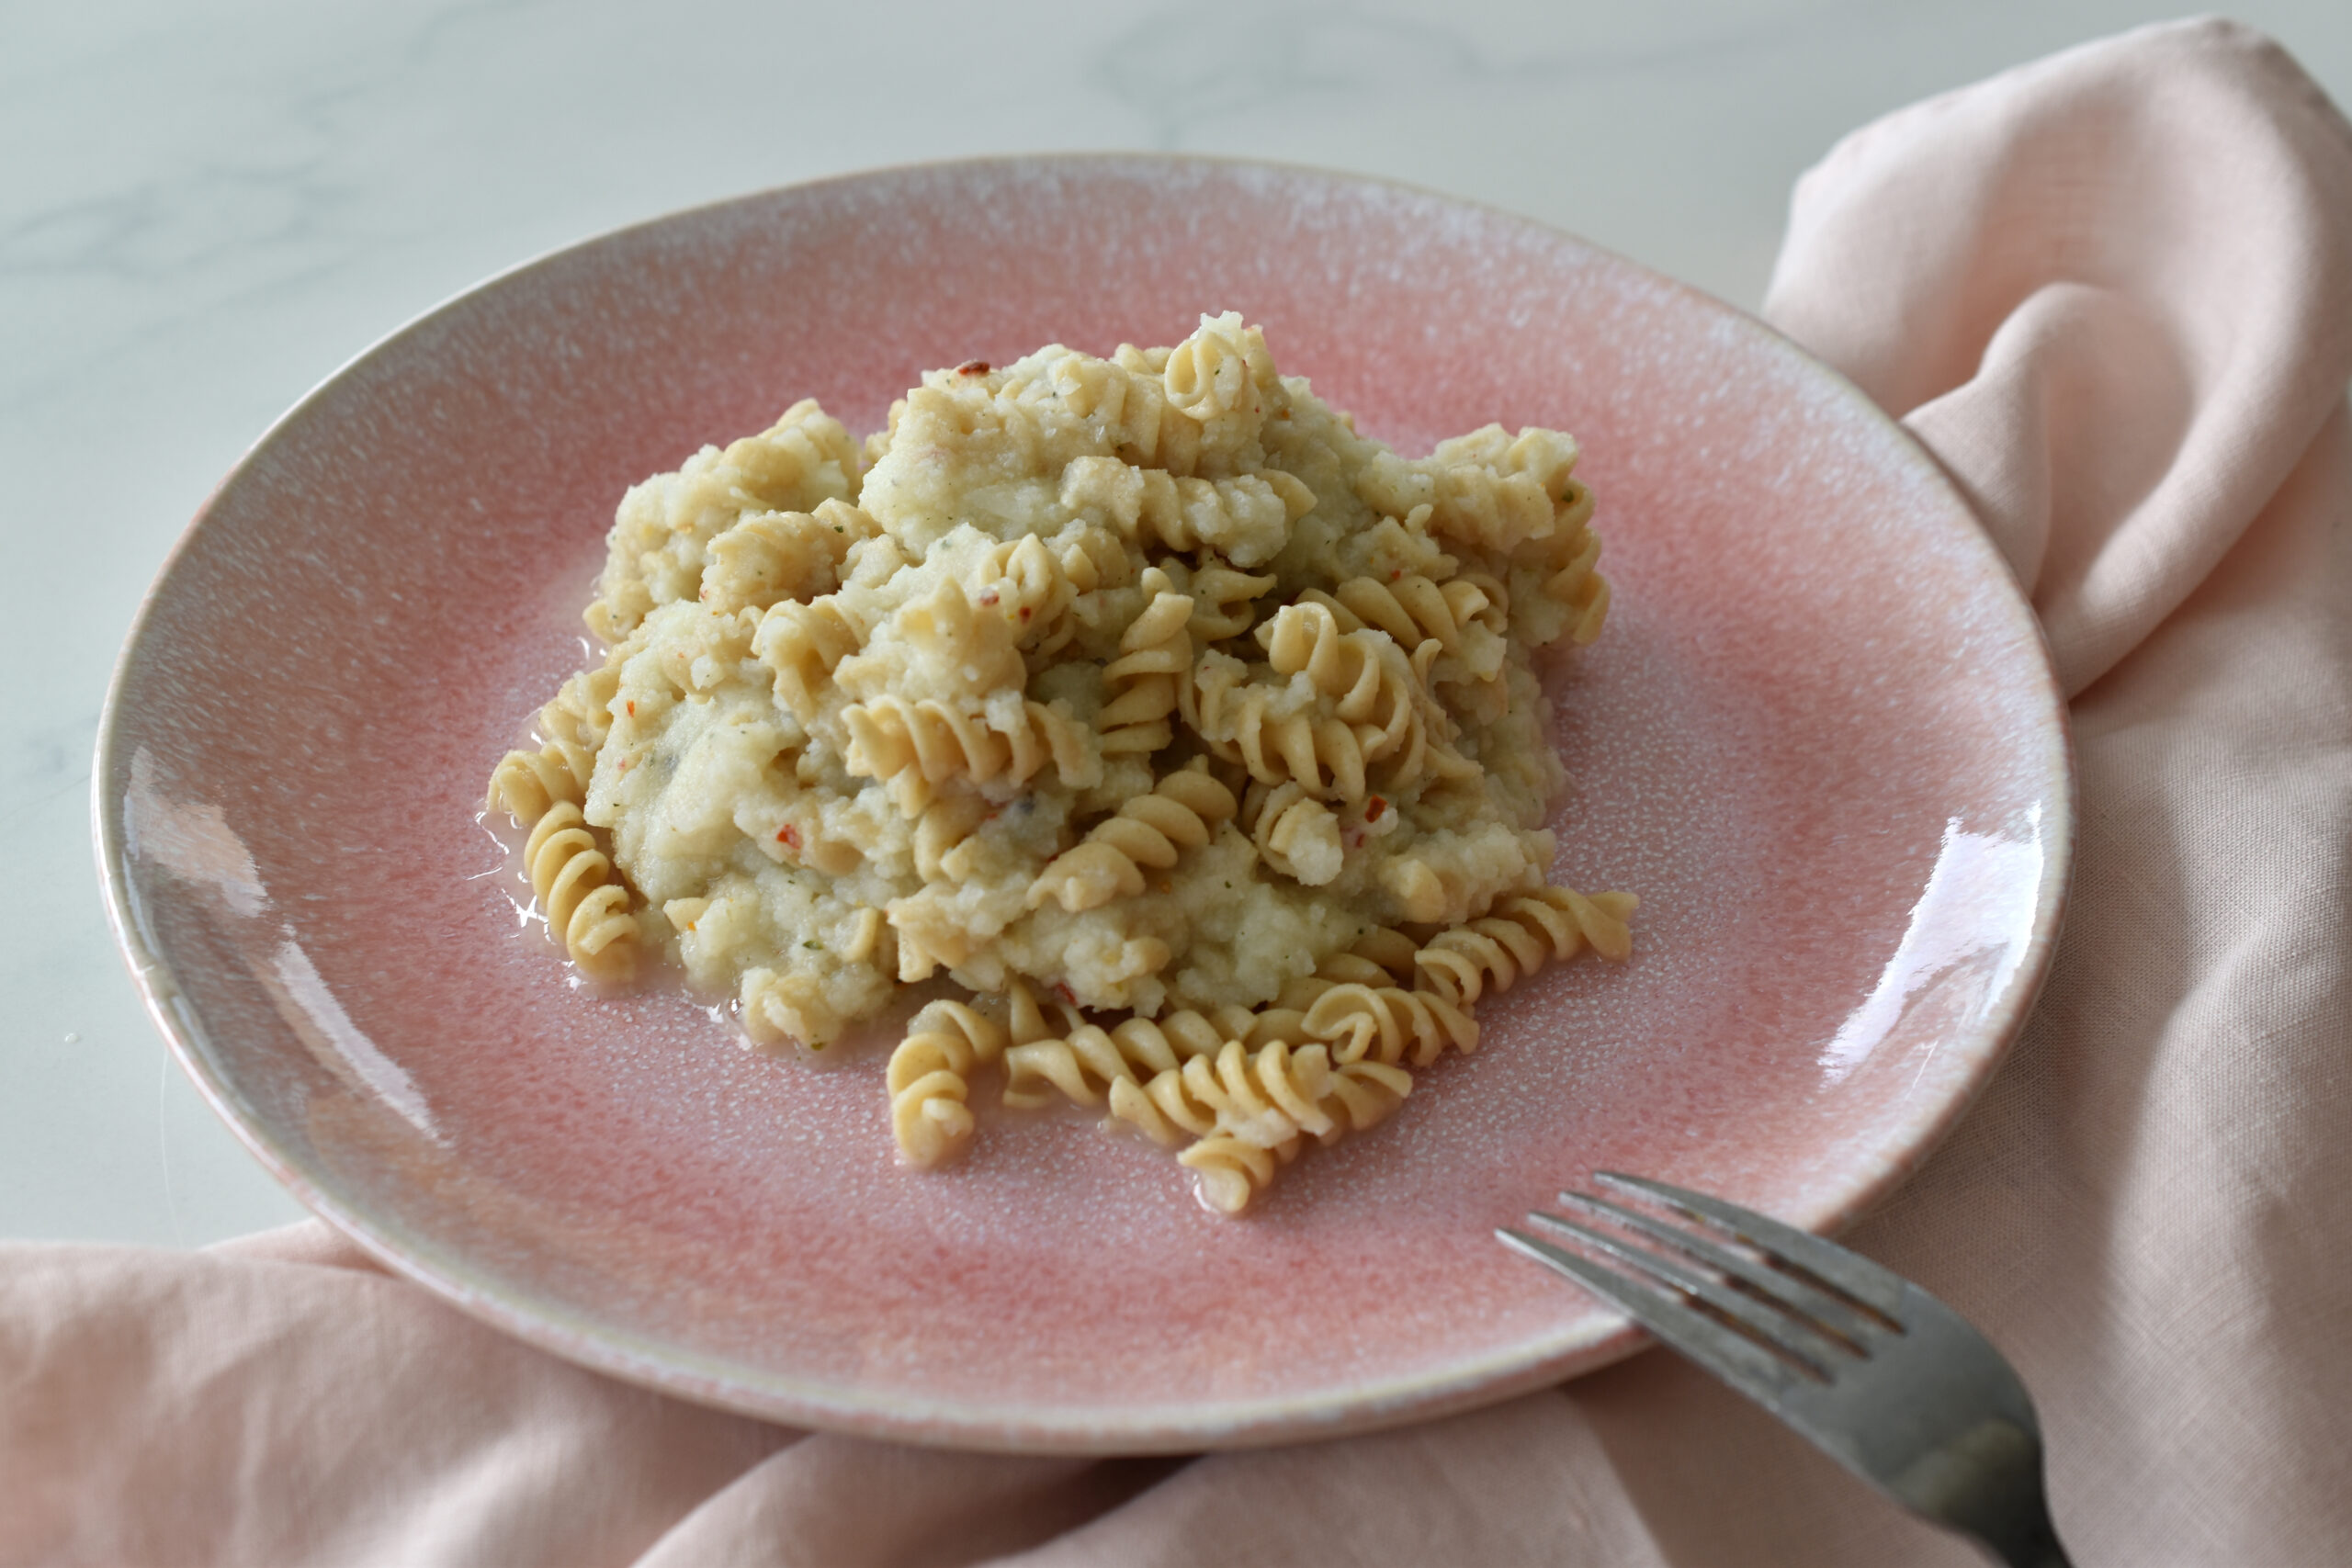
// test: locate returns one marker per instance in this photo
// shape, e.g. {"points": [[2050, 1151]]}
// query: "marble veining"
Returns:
{"points": [[1190, 69]]}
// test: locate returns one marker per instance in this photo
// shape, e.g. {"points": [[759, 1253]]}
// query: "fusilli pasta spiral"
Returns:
{"points": [[1391, 948], [1070, 1065], [1565, 564], [1463, 618], [527, 782], [930, 1074], [1382, 694], [1128, 1056], [1347, 667], [1383, 1022], [1601, 921], [1382, 956], [802, 644], [572, 727], [582, 713], [1129, 404], [587, 911], [943, 846], [1231, 1171], [1181, 812], [1524, 931], [1271, 732], [1218, 370], [1362, 1094], [1032, 588], [1266, 1096], [915, 746], [1176, 1037], [1155, 656], [1257, 1126], [1297, 836], [1225, 602], [1246, 519]]}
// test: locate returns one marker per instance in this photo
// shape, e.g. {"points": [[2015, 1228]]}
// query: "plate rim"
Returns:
{"points": [[1588, 1341]]}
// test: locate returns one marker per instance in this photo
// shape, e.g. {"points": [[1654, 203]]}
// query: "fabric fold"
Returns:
{"points": [[2111, 291]]}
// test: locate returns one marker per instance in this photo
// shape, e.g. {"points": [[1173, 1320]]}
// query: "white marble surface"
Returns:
{"points": [[204, 208]]}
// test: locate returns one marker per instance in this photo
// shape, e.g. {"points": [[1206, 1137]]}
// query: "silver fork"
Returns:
{"points": [[1887, 1379]]}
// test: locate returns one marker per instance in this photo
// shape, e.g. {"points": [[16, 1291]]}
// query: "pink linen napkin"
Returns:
{"points": [[2112, 293]]}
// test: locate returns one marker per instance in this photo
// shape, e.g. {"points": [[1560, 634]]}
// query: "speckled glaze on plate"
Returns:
{"points": [[1820, 738]]}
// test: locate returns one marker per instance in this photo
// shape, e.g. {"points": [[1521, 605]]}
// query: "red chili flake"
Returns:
{"points": [[632, 709], [1373, 807], [1027, 611], [1394, 572], [973, 367], [1061, 989], [788, 836], [988, 597]]}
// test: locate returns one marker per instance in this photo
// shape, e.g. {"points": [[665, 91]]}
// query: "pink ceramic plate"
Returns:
{"points": [[1820, 740]]}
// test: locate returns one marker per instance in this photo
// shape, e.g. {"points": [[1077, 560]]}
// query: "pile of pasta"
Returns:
{"points": [[1184, 742]]}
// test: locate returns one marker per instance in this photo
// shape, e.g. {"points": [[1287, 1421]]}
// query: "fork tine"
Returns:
{"points": [[1931, 1415], [1868, 1285], [1731, 1355], [1824, 1311], [1801, 1341]]}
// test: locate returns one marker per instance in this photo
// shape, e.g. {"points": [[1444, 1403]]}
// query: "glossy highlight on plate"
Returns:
{"points": [[1820, 740]]}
